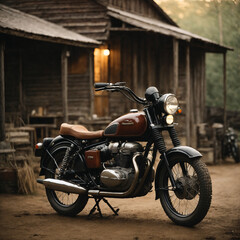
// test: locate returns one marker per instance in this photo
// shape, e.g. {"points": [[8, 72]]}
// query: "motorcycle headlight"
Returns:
{"points": [[169, 103]]}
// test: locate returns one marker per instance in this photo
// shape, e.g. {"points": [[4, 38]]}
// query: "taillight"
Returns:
{"points": [[38, 146]]}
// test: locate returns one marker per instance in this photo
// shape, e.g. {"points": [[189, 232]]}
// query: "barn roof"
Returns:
{"points": [[17, 23], [154, 25]]}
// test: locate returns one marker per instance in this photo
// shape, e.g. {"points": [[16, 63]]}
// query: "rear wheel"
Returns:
{"points": [[64, 203], [189, 203]]}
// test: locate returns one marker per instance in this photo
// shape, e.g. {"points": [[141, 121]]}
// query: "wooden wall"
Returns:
{"points": [[198, 89], [141, 60], [33, 79], [79, 83]]}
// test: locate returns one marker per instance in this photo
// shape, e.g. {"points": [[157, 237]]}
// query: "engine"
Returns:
{"points": [[119, 172], [116, 159]]}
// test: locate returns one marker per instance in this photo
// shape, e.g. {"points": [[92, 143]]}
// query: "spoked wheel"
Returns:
{"points": [[235, 152], [188, 204], [64, 203]]}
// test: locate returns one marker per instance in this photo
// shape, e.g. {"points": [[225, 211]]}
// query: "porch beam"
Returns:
{"points": [[2, 93], [188, 96], [225, 91], [175, 64], [91, 82], [135, 71], [64, 79]]}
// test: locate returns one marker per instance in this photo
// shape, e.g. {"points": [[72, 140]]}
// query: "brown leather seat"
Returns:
{"points": [[79, 131]]}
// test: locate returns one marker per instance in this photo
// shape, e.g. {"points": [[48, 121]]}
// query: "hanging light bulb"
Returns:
{"points": [[106, 52]]}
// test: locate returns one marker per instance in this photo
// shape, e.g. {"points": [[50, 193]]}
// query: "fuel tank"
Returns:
{"points": [[129, 125]]}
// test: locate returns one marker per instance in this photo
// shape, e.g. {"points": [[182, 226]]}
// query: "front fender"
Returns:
{"points": [[189, 152]]}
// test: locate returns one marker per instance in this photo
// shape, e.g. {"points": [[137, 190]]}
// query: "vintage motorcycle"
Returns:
{"points": [[230, 145], [118, 162]]}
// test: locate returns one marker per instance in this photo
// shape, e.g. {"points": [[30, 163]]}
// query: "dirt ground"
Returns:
{"points": [[31, 217]]}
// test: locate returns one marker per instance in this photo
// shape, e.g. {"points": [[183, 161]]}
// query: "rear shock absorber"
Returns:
{"points": [[65, 161]]}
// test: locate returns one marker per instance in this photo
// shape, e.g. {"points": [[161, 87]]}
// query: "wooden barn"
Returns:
{"points": [[140, 44], [34, 70]]}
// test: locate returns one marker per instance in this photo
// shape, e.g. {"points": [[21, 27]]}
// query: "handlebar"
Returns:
{"points": [[120, 87], [101, 85]]}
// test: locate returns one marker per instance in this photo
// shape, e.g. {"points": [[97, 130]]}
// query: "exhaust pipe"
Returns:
{"points": [[63, 186]]}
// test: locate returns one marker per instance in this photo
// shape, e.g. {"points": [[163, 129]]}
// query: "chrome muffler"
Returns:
{"points": [[63, 186]]}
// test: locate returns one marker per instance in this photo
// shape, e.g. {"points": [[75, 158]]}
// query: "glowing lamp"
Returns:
{"points": [[106, 52]]}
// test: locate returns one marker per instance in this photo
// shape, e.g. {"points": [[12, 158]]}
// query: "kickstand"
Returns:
{"points": [[97, 207]]}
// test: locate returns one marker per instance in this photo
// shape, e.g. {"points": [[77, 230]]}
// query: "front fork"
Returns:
{"points": [[160, 144]]}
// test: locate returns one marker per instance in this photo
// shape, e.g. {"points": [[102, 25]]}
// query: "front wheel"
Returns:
{"points": [[189, 203], [235, 152]]}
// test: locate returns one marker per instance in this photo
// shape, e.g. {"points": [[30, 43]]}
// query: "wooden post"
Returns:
{"points": [[64, 76], [91, 82], [175, 65], [2, 93], [188, 97], [21, 95], [135, 71], [224, 91]]}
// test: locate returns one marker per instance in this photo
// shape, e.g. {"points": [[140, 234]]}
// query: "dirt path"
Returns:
{"points": [[31, 217]]}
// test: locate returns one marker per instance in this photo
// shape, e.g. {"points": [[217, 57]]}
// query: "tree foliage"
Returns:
{"points": [[218, 20]]}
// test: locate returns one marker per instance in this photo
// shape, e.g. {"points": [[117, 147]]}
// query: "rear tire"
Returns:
{"points": [[190, 202], [63, 203]]}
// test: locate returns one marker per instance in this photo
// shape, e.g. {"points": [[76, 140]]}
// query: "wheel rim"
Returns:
{"points": [[63, 199], [184, 200]]}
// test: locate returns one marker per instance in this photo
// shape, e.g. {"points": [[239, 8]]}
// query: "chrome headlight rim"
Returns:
{"points": [[169, 103]]}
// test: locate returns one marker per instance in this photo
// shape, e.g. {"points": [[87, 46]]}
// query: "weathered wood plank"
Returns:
{"points": [[64, 78], [188, 96], [2, 92], [175, 65]]}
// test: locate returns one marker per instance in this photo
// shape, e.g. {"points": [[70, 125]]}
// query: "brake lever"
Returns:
{"points": [[100, 89], [112, 90]]}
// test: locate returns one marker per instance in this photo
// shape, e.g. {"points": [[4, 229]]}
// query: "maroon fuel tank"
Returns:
{"points": [[129, 125]]}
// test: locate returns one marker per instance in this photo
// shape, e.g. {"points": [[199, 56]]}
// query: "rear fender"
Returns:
{"points": [[186, 151], [50, 146]]}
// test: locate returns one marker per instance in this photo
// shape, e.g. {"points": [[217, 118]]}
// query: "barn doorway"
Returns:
{"points": [[101, 74]]}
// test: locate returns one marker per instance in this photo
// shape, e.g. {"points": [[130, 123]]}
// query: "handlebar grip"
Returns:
{"points": [[101, 85]]}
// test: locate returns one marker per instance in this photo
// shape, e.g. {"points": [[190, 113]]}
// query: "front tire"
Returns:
{"points": [[190, 202], [67, 204], [235, 152]]}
